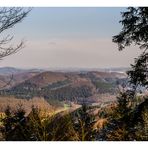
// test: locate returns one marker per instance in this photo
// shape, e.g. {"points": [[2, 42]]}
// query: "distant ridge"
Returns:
{"points": [[12, 70]]}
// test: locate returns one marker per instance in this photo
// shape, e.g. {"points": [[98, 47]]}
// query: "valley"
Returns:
{"points": [[58, 88]]}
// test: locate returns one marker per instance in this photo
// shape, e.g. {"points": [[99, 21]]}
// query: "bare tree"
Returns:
{"points": [[9, 17]]}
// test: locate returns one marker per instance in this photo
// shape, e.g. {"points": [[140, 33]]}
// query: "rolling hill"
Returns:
{"points": [[64, 86]]}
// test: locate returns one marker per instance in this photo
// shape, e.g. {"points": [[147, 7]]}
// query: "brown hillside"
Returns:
{"points": [[7, 81], [3, 81], [21, 77], [45, 78]]}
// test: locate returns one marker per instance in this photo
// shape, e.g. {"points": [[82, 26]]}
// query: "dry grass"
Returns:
{"points": [[100, 123], [14, 103]]}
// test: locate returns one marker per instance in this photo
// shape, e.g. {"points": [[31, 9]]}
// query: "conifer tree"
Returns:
{"points": [[84, 123]]}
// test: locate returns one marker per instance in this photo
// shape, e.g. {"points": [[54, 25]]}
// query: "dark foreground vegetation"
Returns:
{"points": [[120, 121]]}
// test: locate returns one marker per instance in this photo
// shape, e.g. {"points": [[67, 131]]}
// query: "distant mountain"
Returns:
{"points": [[74, 69], [13, 71], [10, 70], [103, 75]]}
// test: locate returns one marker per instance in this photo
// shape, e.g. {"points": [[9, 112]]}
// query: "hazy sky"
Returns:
{"points": [[70, 37]]}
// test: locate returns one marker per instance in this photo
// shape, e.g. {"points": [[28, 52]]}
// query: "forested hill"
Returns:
{"points": [[72, 86]]}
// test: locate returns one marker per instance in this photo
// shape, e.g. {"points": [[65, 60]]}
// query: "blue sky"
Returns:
{"points": [[71, 22], [70, 37]]}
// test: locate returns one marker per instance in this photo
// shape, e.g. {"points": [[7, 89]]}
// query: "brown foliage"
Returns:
{"points": [[27, 104]]}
